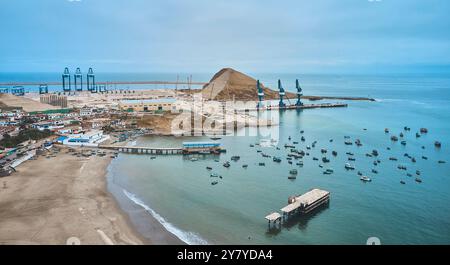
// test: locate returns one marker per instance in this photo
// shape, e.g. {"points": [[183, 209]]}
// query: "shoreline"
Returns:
{"points": [[147, 226], [49, 200]]}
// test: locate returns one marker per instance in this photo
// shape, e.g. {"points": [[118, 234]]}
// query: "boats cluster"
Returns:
{"points": [[295, 155]]}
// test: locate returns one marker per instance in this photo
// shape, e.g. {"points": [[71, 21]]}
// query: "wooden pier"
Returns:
{"points": [[302, 204]]}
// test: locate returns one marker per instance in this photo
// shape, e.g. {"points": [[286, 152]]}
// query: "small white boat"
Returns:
{"points": [[348, 166], [365, 179]]}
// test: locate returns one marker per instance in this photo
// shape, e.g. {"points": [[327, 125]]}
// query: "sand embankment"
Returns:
{"points": [[27, 104], [49, 200]]}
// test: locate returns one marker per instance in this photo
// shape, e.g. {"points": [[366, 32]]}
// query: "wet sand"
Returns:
{"points": [[49, 200]]}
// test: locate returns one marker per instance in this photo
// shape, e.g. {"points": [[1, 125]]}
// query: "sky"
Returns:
{"points": [[203, 36]]}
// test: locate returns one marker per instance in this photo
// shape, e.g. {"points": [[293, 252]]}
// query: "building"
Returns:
{"points": [[86, 111], [202, 147], [144, 105], [54, 100], [91, 138]]}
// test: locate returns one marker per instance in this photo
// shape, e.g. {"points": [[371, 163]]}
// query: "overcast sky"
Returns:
{"points": [[205, 35]]}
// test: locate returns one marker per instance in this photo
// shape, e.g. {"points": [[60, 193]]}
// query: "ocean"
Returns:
{"points": [[178, 192]]}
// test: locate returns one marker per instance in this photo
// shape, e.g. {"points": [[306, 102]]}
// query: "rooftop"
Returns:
{"points": [[305, 199]]}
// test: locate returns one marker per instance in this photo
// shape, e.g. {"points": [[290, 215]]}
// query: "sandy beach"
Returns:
{"points": [[49, 200]]}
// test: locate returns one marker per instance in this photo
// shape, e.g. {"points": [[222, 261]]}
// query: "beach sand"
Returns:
{"points": [[49, 200]]}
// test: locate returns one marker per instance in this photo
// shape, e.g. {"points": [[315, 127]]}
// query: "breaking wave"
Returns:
{"points": [[187, 237]]}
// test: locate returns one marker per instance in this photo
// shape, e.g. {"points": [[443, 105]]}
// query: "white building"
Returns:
{"points": [[91, 138]]}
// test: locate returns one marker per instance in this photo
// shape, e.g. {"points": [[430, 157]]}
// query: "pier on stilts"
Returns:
{"points": [[302, 204], [272, 219], [187, 149]]}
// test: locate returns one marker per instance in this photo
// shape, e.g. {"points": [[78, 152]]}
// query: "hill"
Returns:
{"points": [[229, 84]]}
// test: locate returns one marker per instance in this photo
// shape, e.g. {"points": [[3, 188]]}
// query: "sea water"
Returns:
{"points": [[178, 191]]}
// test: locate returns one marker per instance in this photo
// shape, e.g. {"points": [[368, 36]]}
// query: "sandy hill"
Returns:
{"points": [[27, 104], [229, 83]]}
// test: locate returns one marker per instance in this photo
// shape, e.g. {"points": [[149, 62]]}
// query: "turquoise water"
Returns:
{"points": [[232, 212]]}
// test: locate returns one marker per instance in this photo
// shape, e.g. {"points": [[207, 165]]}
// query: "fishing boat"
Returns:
{"points": [[299, 163], [302, 139], [402, 182], [350, 153], [5, 171], [437, 144], [351, 159], [365, 179], [295, 142], [323, 151], [401, 135], [235, 158], [423, 130], [358, 142], [394, 138], [409, 174], [418, 180], [215, 138], [193, 159], [214, 175], [245, 166], [325, 160], [216, 160], [401, 167], [308, 147], [386, 130], [349, 167], [334, 153], [315, 159], [359, 173], [292, 177], [413, 160], [374, 171], [417, 135], [226, 164], [214, 182], [302, 131], [393, 158], [403, 142], [417, 172], [290, 162], [276, 159], [424, 157], [320, 165], [262, 164], [374, 152], [209, 168], [293, 171], [348, 143], [252, 145], [441, 162]]}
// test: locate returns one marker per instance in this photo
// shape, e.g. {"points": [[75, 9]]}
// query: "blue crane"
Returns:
{"points": [[299, 93]]}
